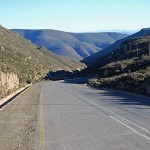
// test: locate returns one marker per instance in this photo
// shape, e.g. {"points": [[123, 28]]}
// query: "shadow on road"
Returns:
{"points": [[77, 80], [122, 98], [115, 96]]}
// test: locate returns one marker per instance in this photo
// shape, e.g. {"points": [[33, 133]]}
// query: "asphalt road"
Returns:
{"points": [[76, 117]]}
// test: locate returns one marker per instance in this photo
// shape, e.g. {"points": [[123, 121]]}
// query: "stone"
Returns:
{"points": [[9, 80], [2, 48]]}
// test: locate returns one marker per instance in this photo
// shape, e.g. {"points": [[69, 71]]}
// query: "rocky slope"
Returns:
{"points": [[95, 57], [73, 45], [126, 68], [8, 81], [21, 58]]}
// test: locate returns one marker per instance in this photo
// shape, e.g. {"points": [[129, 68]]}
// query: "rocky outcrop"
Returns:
{"points": [[8, 81]]}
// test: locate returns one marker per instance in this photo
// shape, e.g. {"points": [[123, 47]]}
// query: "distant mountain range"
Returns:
{"points": [[73, 45], [95, 57], [129, 32]]}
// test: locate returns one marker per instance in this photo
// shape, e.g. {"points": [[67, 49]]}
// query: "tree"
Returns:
{"points": [[137, 49], [130, 46], [125, 48], [149, 48]]}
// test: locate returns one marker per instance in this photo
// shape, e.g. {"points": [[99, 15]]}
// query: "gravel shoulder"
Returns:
{"points": [[18, 121]]}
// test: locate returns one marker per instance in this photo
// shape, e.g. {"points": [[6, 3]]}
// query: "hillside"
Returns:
{"points": [[95, 57], [126, 68], [21, 58], [73, 45]]}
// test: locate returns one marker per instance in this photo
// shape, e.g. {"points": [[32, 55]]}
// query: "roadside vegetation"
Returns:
{"points": [[29, 62], [126, 68]]}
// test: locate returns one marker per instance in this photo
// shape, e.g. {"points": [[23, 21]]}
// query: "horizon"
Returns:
{"points": [[76, 16], [99, 31]]}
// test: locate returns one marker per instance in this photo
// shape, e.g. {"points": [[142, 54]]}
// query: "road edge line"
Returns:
{"points": [[42, 137]]}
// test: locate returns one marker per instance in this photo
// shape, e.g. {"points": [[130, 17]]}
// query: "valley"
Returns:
{"points": [[75, 75], [73, 45], [71, 104]]}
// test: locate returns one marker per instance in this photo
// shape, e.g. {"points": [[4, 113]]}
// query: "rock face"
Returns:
{"points": [[8, 80]]}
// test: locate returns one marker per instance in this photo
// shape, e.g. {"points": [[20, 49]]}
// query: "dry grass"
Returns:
{"points": [[28, 61], [125, 69]]}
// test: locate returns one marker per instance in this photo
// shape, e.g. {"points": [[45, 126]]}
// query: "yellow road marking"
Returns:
{"points": [[42, 138]]}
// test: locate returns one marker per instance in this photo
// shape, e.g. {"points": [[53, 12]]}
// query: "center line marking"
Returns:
{"points": [[42, 138]]}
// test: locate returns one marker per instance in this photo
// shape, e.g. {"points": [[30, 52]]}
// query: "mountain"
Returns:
{"points": [[21, 60], [73, 45], [95, 57], [129, 32], [127, 68]]}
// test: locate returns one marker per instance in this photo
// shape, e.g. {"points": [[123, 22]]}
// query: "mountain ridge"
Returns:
{"points": [[95, 57], [127, 68], [73, 45], [25, 59]]}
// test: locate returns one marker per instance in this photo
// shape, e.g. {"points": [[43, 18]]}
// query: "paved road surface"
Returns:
{"points": [[76, 117]]}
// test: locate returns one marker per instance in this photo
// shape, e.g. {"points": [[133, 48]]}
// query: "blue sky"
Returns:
{"points": [[75, 15]]}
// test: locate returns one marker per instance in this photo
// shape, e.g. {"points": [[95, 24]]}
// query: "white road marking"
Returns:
{"points": [[135, 131], [142, 128], [95, 104]]}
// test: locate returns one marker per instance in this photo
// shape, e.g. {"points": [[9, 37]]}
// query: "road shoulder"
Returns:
{"points": [[18, 121]]}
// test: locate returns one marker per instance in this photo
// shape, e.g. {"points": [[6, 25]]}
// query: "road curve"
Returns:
{"points": [[76, 117]]}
